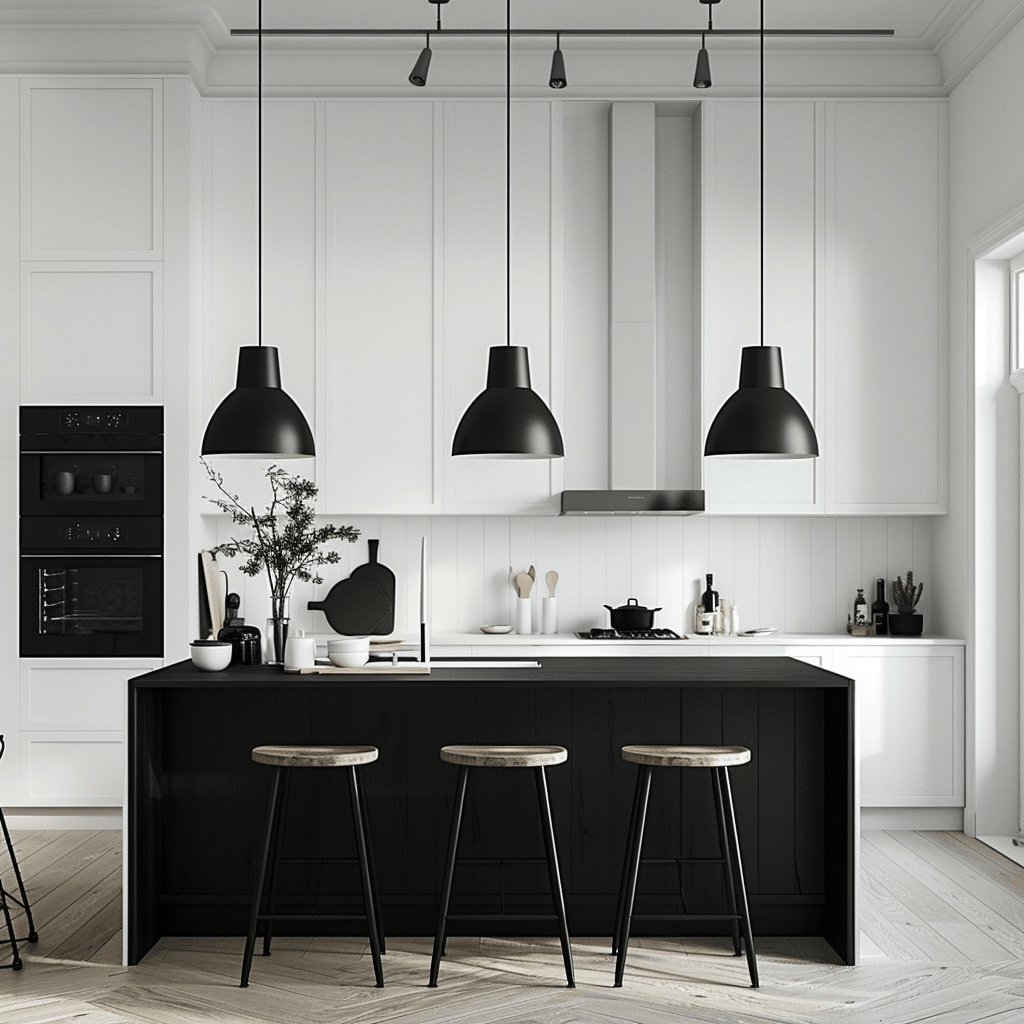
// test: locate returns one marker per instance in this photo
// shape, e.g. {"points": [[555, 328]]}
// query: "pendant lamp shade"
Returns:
{"points": [[762, 420], [258, 420], [508, 419], [702, 73]]}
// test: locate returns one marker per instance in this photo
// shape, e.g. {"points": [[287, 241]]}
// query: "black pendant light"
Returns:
{"points": [[557, 79], [259, 420], [702, 74], [508, 419], [762, 420]]}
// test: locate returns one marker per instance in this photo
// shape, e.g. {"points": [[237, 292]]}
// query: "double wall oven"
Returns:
{"points": [[91, 503]]}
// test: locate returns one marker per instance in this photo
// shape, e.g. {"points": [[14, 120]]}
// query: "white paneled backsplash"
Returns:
{"points": [[799, 574]]}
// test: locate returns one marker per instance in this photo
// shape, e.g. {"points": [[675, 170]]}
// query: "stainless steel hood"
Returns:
{"points": [[633, 502]]}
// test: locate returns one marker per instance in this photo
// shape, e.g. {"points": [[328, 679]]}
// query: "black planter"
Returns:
{"points": [[905, 624]]}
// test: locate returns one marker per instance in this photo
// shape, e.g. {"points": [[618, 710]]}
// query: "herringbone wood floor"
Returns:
{"points": [[943, 920]]}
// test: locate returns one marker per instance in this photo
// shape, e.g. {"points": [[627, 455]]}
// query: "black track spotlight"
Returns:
{"points": [[557, 77], [702, 76], [418, 75]]}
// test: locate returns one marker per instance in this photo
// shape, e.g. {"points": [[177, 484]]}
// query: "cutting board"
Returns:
{"points": [[364, 604]]}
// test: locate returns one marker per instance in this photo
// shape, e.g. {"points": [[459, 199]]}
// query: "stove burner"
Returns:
{"points": [[629, 634]]}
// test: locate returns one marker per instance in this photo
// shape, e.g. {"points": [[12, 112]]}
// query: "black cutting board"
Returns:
{"points": [[364, 604]]}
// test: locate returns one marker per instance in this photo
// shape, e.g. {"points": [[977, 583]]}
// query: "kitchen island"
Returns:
{"points": [[196, 800]]}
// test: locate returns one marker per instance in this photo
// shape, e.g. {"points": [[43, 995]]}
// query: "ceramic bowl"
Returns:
{"points": [[352, 659], [499, 628], [349, 651], [210, 655]]}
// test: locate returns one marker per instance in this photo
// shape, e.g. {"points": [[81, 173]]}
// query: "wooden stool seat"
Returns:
{"points": [[686, 757], [504, 757], [314, 757]]}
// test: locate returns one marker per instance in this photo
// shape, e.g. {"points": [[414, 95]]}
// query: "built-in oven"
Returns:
{"points": [[91, 532]]}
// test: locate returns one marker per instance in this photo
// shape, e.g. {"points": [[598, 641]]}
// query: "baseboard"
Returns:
{"points": [[64, 817], [924, 819], [1004, 845]]}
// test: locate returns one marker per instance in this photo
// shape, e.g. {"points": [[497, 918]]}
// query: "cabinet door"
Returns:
{"points": [[731, 269], [885, 330], [380, 375], [910, 715], [475, 282]]}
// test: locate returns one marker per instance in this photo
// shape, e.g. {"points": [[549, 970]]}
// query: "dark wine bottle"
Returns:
{"points": [[860, 608], [880, 609], [709, 600]]}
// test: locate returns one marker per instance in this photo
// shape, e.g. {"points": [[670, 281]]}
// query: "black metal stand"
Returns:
{"points": [[6, 898], [272, 844], [554, 878], [732, 865]]}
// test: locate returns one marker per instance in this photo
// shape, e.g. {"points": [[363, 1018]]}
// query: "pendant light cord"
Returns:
{"points": [[762, 172], [508, 172], [259, 175]]}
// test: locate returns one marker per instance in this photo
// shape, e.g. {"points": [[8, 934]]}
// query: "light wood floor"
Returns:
{"points": [[943, 921]]}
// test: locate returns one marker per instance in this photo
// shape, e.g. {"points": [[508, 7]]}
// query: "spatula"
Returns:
{"points": [[551, 579], [524, 584]]}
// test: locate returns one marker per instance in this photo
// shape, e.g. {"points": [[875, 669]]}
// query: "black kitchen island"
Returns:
{"points": [[197, 801]]}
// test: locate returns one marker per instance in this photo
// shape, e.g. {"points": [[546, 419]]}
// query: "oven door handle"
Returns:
{"points": [[70, 553]]}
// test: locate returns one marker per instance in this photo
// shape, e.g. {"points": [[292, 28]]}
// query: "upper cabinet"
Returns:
{"points": [[854, 251], [92, 218]]}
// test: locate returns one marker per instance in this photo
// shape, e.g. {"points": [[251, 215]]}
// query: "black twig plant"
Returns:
{"points": [[287, 543], [906, 595]]}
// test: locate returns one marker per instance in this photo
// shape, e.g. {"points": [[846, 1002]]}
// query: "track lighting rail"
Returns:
{"points": [[610, 33]]}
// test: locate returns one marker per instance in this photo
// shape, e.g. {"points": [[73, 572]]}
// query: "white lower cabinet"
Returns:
{"points": [[910, 723], [71, 741]]}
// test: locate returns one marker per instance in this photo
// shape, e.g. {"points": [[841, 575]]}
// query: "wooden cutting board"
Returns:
{"points": [[364, 604]]}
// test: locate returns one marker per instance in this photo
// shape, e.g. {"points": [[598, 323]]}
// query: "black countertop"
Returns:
{"points": [[772, 671]]}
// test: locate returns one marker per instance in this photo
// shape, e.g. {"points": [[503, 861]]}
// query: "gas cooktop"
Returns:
{"points": [[630, 634]]}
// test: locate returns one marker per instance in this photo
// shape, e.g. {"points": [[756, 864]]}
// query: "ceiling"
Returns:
{"points": [[921, 21]]}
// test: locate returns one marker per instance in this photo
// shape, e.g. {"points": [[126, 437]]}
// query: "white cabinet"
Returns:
{"points": [[854, 239], [910, 722], [731, 286], [92, 240], [71, 742], [885, 329]]}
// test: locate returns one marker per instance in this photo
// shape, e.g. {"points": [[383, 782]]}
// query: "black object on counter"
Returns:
{"points": [[364, 604], [245, 644], [630, 616]]}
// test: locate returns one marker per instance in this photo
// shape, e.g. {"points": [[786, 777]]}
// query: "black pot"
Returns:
{"points": [[905, 624], [630, 616]]}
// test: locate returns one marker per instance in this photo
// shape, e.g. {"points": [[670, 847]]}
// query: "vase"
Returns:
{"points": [[906, 624], [277, 629]]}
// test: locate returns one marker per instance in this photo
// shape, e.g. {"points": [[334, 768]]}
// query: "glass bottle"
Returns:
{"points": [[860, 609], [880, 609]]}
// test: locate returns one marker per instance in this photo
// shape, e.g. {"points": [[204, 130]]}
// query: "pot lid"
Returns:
{"points": [[631, 605]]}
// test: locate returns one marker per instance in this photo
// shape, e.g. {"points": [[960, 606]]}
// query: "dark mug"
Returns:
{"points": [[64, 481], [103, 483]]}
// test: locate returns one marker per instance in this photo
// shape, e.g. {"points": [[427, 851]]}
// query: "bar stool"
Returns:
{"points": [[537, 758], [717, 759], [6, 896], [283, 759]]}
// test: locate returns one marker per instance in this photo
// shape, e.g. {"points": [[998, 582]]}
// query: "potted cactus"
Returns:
{"points": [[905, 621]]}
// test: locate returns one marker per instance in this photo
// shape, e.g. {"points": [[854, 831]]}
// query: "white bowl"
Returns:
{"points": [[350, 659], [211, 655], [349, 645], [496, 629]]}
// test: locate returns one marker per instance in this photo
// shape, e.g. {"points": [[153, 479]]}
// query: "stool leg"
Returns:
{"points": [[734, 839], [373, 865], [449, 874], [369, 895], [548, 828], [275, 858], [625, 865], [723, 843], [257, 898], [16, 960], [633, 853], [32, 934]]}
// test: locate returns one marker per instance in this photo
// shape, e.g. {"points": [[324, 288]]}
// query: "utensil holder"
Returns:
{"points": [[524, 615], [549, 615]]}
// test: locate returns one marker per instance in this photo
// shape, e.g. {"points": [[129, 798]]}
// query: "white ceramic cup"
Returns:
{"points": [[300, 652]]}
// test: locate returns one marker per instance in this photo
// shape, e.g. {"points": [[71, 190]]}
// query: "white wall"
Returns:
{"points": [[986, 186], [798, 574]]}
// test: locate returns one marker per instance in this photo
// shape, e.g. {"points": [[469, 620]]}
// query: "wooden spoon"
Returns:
{"points": [[551, 579], [524, 584], [532, 573]]}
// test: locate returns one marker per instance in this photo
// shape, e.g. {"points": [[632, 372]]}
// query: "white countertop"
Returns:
{"points": [[498, 641]]}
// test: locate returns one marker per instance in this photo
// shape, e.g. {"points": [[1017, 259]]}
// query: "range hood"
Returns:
{"points": [[634, 502], [633, 356]]}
